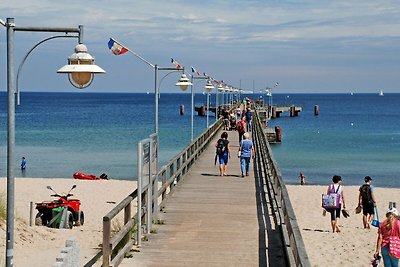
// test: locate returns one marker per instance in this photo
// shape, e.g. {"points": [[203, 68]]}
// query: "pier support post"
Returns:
{"points": [[273, 115], [292, 111], [316, 110], [182, 110], [202, 111], [278, 133]]}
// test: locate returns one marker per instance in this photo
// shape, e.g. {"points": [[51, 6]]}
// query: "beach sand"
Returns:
{"points": [[354, 245], [39, 245]]}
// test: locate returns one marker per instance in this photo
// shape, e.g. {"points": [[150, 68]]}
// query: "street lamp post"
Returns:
{"points": [[209, 87], [220, 89], [192, 102], [86, 71]]}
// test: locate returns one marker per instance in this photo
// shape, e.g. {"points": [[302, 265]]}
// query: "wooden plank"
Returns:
{"points": [[212, 220]]}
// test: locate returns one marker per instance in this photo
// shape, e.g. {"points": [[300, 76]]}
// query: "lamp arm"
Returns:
{"points": [[159, 84], [26, 56]]}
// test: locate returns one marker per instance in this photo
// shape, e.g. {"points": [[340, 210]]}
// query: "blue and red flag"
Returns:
{"points": [[177, 65], [195, 71], [116, 48]]}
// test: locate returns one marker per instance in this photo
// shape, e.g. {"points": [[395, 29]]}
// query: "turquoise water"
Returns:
{"points": [[61, 133], [353, 136]]}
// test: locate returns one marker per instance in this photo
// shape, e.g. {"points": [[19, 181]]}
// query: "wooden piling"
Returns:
{"points": [[273, 115], [292, 111], [278, 133], [316, 110], [182, 110], [202, 111]]}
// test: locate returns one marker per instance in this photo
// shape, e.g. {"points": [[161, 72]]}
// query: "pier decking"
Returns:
{"points": [[203, 219], [214, 221]]}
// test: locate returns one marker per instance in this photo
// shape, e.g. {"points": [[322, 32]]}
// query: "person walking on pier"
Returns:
{"points": [[224, 153], [249, 117], [246, 152], [241, 128]]}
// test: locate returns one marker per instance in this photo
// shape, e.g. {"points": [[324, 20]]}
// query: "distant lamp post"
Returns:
{"points": [[183, 84], [220, 89], [209, 87], [81, 67], [11, 29]]}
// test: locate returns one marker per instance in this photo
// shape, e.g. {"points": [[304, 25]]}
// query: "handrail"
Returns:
{"points": [[285, 217], [170, 174]]}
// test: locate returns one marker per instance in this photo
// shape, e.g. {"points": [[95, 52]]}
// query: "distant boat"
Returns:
{"points": [[381, 93], [351, 93]]}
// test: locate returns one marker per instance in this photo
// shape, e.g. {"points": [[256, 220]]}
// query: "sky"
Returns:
{"points": [[309, 46]]}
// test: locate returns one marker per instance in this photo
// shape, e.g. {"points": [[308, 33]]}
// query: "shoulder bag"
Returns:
{"points": [[394, 241]]}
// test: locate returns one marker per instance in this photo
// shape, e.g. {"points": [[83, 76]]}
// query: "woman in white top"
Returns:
{"points": [[337, 188]]}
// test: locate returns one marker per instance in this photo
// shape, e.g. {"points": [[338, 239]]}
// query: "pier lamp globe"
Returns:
{"points": [[183, 82], [81, 67], [220, 88], [209, 87]]}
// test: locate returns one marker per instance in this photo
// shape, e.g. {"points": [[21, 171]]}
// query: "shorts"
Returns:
{"points": [[223, 159], [335, 213], [368, 208]]}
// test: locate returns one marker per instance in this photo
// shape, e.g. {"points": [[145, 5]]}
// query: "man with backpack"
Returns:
{"points": [[223, 153], [367, 200], [241, 128]]}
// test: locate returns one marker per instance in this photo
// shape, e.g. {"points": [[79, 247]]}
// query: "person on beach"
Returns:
{"points": [[249, 117], [246, 152], [223, 152], [337, 188], [225, 115], [388, 228], [367, 200], [241, 128], [302, 179], [23, 164]]}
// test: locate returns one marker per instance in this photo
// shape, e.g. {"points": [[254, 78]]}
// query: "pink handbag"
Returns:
{"points": [[394, 243]]}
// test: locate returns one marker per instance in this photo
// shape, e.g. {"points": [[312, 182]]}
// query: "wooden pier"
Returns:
{"points": [[208, 220]]}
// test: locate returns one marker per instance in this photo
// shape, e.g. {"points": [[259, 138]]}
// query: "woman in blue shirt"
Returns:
{"points": [[246, 150]]}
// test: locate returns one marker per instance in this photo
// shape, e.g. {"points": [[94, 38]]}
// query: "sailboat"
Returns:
{"points": [[381, 93]]}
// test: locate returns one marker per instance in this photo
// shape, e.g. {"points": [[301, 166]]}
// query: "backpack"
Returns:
{"points": [[221, 147], [365, 191], [240, 127]]}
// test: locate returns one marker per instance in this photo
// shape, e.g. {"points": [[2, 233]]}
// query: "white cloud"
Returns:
{"points": [[241, 33]]}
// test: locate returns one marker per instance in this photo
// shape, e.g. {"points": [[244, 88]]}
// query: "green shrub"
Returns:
{"points": [[3, 207]]}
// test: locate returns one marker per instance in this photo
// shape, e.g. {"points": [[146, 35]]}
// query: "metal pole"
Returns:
{"points": [[216, 104], [208, 105], [192, 108], [10, 143], [11, 29], [155, 100]]}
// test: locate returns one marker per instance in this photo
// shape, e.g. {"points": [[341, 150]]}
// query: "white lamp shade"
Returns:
{"points": [[209, 87], [183, 82], [81, 67]]}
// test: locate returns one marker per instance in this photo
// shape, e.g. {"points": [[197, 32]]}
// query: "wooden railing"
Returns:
{"points": [[170, 175], [284, 215]]}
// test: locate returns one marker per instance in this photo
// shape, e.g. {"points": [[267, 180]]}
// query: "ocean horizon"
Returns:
{"points": [[61, 133]]}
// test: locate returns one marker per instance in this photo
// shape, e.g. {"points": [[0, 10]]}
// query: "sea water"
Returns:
{"points": [[61, 133], [353, 136]]}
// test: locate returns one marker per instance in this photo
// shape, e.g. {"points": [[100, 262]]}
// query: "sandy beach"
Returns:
{"points": [[354, 245], [39, 246]]}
